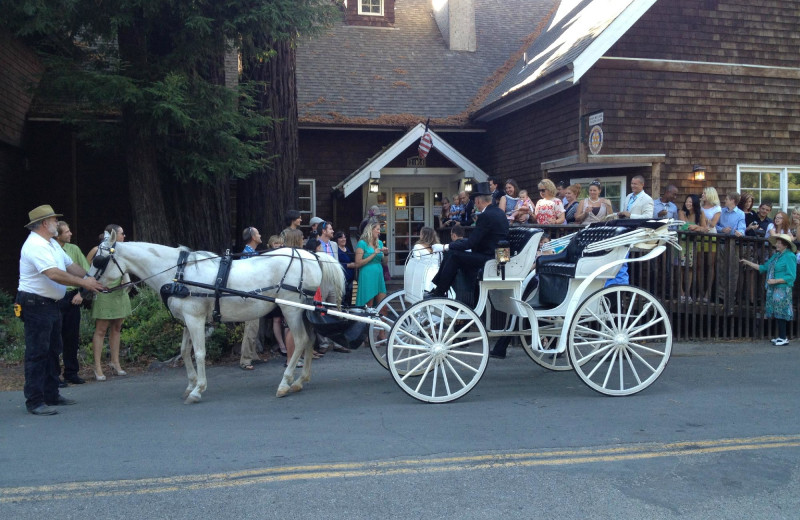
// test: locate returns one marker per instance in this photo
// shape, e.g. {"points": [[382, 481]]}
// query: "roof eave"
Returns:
{"points": [[554, 83]]}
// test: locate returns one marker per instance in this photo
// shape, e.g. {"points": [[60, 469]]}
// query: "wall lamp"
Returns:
{"points": [[374, 182], [699, 172]]}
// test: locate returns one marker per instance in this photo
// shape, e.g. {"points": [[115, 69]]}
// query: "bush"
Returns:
{"points": [[12, 331], [151, 332]]}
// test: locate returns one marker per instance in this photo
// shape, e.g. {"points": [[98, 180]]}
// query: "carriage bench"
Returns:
{"points": [[556, 270]]}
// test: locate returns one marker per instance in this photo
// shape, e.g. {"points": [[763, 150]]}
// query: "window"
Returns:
{"points": [[778, 185], [370, 7], [614, 189], [307, 199]]}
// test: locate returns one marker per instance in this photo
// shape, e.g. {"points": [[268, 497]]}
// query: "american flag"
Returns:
{"points": [[425, 143]]}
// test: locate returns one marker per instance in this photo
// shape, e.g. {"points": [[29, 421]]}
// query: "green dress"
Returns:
{"points": [[370, 276], [113, 305]]}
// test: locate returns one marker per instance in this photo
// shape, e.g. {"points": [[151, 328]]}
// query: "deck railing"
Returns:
{"points": [[707, 292]]}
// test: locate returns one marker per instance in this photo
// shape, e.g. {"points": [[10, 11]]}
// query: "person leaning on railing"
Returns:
{"points": [[781, 270]]}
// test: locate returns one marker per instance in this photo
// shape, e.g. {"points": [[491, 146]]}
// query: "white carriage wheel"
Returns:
{"points": [[389, 310], [620, 340], [443, 348], [549, 332]]}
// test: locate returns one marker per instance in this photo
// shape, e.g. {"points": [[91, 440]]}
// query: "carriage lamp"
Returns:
{"points": [[374, 185], [502, 254], [699, 172], [468, 184]]}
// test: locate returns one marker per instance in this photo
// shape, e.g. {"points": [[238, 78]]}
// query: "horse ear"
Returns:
{"points": [[112, 237]]}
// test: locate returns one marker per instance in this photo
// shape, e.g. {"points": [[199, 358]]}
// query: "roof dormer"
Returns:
{"points": [[374, 13]]}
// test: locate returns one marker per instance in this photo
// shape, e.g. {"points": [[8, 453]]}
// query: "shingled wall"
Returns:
{"points": [[699, 112], [520, 142]]}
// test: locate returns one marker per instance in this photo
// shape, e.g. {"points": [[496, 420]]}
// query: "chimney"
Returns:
{"points": [[456, 21]]}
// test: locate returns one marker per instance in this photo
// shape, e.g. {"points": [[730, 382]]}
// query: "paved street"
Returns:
{"points": [[718, 436]]}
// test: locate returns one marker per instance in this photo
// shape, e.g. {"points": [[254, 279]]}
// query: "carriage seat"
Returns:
{"points": [[523, 243], [556, 271], [565, 262]]}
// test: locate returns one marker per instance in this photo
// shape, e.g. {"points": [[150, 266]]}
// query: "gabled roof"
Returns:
{"points": [[355, 75], [579, 34], [385, 156]]}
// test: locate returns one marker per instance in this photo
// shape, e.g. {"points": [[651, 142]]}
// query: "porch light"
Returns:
{"points": [[467, 182], [374, 185], [400, 200], [699, 172]]}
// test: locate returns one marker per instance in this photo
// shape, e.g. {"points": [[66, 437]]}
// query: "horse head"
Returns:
{"points": [[105, 265]]}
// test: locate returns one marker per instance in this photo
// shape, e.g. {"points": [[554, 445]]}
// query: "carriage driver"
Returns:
{"points": [[474, 251], [44, 272]]}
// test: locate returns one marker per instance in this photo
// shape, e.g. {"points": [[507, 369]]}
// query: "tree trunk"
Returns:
{"points": [[141, 156], [264, 197]]}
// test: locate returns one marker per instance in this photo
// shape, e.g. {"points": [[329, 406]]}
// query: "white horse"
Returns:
{"points": [[281, 273]]}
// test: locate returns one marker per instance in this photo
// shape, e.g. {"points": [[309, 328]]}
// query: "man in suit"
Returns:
{"points": [[474, 251], [638, 204]]}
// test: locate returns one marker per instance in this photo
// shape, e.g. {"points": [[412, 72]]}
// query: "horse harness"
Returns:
{"points": [[179, 290]]}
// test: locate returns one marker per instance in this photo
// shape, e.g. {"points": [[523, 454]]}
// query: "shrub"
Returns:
{"points": [[12, 331], [151, 332]]}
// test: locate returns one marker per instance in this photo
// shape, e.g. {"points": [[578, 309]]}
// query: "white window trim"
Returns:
{"points": [[361, 12], [782, 170], [313, 196]]}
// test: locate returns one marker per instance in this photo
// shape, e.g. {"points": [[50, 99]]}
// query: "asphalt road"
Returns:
{"points": [[717, 436]]}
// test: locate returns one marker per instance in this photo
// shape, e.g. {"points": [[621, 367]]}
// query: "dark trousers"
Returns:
{"points": [[42, 347], [452, 262], [70, 333]]}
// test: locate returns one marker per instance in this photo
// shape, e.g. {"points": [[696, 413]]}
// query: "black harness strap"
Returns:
{"points": [[176, 288], [221, 282]]}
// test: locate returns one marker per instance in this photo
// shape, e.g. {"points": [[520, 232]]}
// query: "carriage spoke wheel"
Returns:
{"points": [[549, 332], [389, 310], [620, 340], [438, 350]]}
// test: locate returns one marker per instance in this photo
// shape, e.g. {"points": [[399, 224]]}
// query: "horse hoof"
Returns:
{"points": [[186, 394], [296, 387], [192, 399], [282, 392]]}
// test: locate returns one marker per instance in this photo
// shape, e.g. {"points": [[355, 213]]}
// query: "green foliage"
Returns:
{"points": [[150, 331], [158, 65], [12, 332]]}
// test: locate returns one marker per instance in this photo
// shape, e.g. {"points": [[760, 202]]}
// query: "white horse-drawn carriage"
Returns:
{"points": [[618, 339]]}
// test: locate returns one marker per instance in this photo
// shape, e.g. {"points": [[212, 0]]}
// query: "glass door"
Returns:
{"points": [[409, 213]]}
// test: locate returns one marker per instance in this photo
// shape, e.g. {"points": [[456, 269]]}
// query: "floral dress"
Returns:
{"points": [[779, 296], [547, 211]]}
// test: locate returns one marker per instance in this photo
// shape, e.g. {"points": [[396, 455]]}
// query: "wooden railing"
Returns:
{"points": [[708, 293]]}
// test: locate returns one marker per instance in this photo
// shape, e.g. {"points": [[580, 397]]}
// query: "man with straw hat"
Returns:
{"points": [[44, 272]]}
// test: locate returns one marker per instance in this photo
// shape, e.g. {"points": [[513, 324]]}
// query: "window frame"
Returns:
{"points": [[621, 179], [312, 200], [362, 12], [782, 170]]}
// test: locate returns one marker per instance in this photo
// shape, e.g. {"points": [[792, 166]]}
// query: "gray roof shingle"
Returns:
{"points": [[379, 76]]}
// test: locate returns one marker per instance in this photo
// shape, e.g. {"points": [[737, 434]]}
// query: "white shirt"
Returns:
{"points": [[37, 256]]}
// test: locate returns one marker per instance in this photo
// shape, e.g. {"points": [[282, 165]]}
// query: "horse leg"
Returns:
{"points": [[186, 354], [294, 320], [304, 343], [197, 331]]}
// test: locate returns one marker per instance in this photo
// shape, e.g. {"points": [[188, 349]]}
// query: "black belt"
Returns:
{"points": [[26, 298]]}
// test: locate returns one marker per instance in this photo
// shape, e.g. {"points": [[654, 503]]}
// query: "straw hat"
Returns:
{"points": [[786, 238], [41, 213]]}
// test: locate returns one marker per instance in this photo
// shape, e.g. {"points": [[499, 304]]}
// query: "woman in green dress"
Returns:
{"points": [[108, 311], [371, 254], [781, 269]]}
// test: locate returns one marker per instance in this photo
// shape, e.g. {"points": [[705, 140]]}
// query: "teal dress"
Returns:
{"points": [[779, 296], [370, 276]]}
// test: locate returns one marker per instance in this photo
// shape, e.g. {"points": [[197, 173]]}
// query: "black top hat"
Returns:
{"points": [[481, 188]]}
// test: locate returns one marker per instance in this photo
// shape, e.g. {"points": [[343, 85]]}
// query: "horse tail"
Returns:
{"points": [[332, 276]]}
